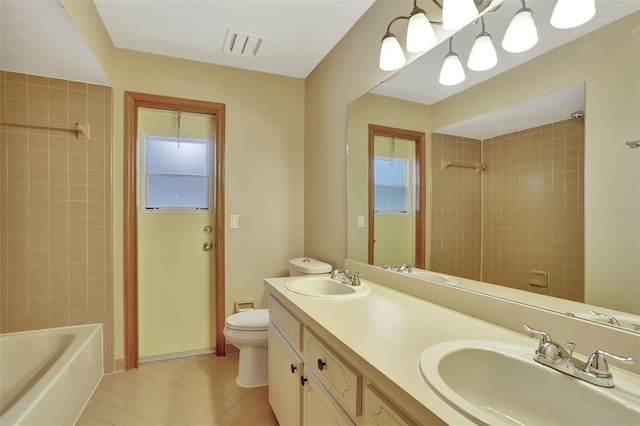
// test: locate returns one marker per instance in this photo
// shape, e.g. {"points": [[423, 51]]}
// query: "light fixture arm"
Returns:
{"points": [[524, 7], [415, 11], [483, 32], [389, 33], [451, 52]]}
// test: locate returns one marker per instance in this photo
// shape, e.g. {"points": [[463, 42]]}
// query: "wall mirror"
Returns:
{"points": [[501, 207]]}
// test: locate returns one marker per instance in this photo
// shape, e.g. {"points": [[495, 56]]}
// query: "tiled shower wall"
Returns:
{"points": [[56, 252], [456, 205], [533, 208], [530, 202]]}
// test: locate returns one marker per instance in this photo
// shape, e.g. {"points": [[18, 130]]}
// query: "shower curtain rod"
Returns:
{"points": [[81, 130], [477, 167]]}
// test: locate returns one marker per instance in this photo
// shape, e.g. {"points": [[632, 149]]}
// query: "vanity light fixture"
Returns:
{"points": [[572, 13], [521, 34], [391, 54], [420, 34], [483, 54], [420, 37], [452, 72]]}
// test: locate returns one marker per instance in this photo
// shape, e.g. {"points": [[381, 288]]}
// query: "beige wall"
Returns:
{"points": [[345, 74], [382, 111], [56, 259], [456, 207], [263, 170]]}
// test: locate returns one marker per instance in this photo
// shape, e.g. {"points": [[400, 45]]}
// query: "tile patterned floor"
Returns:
{"points": [[192, 391]]}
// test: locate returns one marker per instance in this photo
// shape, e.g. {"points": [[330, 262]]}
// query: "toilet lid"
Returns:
{"points": [[257, 319]]}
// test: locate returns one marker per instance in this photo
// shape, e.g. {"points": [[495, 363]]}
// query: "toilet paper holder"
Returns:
{"points": [[244, 305]]}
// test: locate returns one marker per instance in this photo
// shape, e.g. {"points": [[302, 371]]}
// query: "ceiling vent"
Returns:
{"points": [[242, 43]]}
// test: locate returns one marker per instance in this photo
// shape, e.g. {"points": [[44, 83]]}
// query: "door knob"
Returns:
{"points": [[208, 245]]}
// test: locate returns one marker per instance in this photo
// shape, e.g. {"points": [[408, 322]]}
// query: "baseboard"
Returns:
{"points": [[231, 350], [177, 355]]}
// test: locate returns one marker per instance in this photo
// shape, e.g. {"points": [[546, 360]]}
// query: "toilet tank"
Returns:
{"points": [[307, 266]]}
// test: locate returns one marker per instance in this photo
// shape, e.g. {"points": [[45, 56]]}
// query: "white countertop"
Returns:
{"points": [[390, 330]]}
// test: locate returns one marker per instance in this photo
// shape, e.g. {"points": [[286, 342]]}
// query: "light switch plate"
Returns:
{"points": [[234, 221], [360, 221]]}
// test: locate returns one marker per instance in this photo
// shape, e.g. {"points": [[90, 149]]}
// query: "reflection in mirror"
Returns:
{"points": [[396, 202], [519, 221], [527, 220]]}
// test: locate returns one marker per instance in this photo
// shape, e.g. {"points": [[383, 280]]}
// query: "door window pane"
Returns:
{"points": [[390, 185], [177, 173]]}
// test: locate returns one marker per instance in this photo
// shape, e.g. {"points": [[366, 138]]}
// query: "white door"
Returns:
{"points": [[175, 269]]}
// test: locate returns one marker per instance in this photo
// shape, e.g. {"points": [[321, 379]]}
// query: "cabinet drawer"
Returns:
{"points": [[344, 383], [289, 326], [379, 411]]}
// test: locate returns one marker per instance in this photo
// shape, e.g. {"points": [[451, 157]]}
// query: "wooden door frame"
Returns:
{"points": [[419, 140], [133, 101]]}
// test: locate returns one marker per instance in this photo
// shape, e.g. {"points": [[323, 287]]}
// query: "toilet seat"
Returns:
{"points": [[254, 320]]}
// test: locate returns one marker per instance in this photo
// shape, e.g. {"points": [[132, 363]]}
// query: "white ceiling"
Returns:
{"points": [[549, 108], [38, 37]]}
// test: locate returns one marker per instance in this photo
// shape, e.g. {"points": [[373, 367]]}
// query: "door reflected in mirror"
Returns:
{"points": [[396, 204]]}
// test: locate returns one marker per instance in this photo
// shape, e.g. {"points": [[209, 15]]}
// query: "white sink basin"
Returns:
{"points": [[432, 276], [326, 287], [500, 384]]}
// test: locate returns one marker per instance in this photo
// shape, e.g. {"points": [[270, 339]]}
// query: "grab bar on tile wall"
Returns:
{"points": [[633, 144], [82, 130], [477, 167]]}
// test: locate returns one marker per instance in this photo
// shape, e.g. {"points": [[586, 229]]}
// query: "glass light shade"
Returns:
{"points": [[420, 34], [521, 34], [572, 13], [483, 55], [391, 54], [452, 72], [458, 13]]}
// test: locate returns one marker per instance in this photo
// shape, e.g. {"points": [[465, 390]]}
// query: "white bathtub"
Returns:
{"points": [[47, 376]]}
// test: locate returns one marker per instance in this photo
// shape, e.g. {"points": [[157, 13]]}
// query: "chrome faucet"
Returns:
{"points": [[405, 267], [610, 319], [594, 371], [347, 277]]}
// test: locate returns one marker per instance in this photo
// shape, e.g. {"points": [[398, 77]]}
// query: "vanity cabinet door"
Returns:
{"points": [[285, 371], [381, 412], [320, 409]]}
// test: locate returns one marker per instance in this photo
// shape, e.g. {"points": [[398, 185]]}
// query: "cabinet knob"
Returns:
{"points": [[303, 380], [293, 368], [321, 364]]}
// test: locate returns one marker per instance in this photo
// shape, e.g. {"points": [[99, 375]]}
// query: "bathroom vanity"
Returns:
{"points": [[356, 360]]}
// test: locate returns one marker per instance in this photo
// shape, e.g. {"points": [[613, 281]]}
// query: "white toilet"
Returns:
{"points": [[248, 331], [307, 266]]}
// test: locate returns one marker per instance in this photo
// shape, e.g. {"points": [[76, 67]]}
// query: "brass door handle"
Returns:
{"points": [[208, 245]]}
